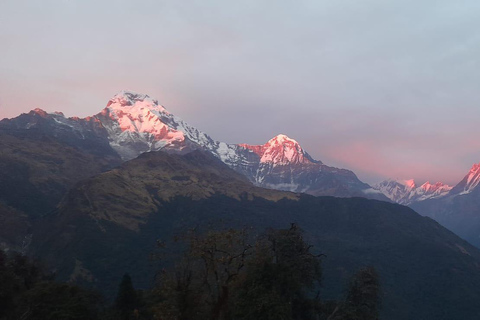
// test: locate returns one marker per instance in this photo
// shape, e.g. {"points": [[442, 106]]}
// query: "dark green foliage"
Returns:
{"points": [[17, 276], [362, 299], [222, 276], [26, 292], [60, 301], [27, 272], [281, 278], [363, 295], [126, 301], [425, 274], [204, 280], [9, 287]]}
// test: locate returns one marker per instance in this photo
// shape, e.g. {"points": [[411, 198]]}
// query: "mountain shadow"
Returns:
{"points": [[110, 224]]}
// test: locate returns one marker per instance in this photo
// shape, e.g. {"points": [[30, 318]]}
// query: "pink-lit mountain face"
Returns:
{"points": [[134, 123], [469, 182], [134, 118], [459, 209], [281, 150], [282, 164], [407, 192]]}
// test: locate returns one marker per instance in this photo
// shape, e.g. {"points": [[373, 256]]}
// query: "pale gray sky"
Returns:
{"points": [[385, 88]]}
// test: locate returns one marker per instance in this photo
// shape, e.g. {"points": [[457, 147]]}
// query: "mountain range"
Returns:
{"points": [[133, 123], [407, 192], [111, 223], [456, 208], [93, 197]]}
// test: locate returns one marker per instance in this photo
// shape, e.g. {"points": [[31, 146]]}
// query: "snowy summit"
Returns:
{"points": [[281, 150], [406, 191]]}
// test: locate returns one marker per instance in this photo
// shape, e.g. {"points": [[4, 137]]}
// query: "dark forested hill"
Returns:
{"points": [[457, 212], [39, 165], [109, 224]]}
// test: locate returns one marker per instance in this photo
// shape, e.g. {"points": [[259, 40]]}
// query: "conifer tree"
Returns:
{"points": [[126, 300], [363, 295]]}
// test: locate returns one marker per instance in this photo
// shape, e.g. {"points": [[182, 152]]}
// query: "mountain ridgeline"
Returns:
{"points": [[407, 191], [134, 123], [45, 154], [109, 224], [459, 209], [94, 197], [456, 207], [42, 156]]}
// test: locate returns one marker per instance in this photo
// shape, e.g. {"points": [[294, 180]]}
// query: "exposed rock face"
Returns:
{"points": [[134, 123], [469, 183]]}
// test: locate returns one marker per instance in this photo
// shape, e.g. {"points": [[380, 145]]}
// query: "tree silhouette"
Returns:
{"points": [[126, 300]]}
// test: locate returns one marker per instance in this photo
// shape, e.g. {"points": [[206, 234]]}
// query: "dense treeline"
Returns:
{"points": [[225, 275], [221, 275], [28, 293]]}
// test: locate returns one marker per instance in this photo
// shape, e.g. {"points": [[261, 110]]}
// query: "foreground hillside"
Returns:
{"points": [[39, 165], [458, 213], [109, 224]]}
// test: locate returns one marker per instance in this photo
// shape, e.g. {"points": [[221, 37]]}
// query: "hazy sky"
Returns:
{"points": [[384, 88]]}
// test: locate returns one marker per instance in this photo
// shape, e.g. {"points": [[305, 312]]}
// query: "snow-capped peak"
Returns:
{"points": [[407, 192], [428, 187], [396, 190], [280, 150], [40, 112], [281, 138], [474, 175], [469, 182], [129, 98], [410, 184], [136, 123], [132, 117], [431, 191]]}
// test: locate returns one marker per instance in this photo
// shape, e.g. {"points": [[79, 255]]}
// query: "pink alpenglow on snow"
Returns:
{"points": [[138, 113], [436, 188], [410, 184], [470, 181], [280, 150], [474, 175], [406, 191]]}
